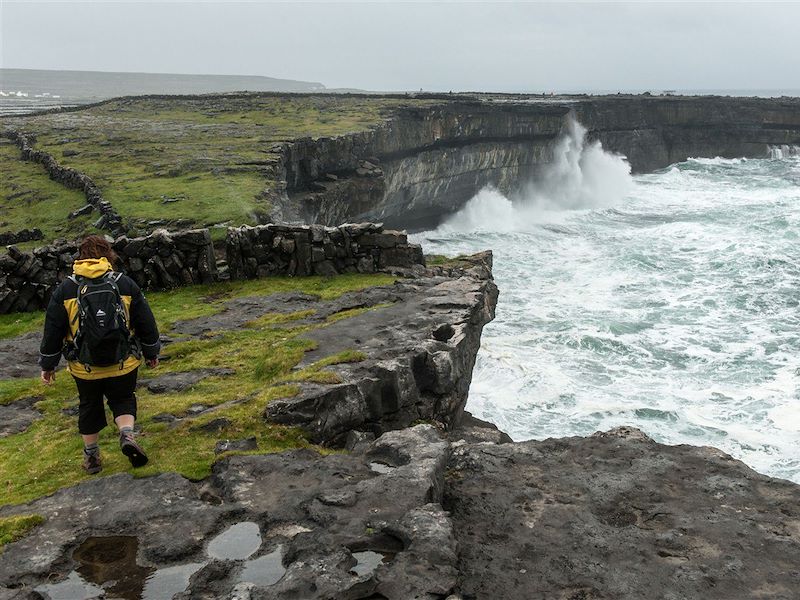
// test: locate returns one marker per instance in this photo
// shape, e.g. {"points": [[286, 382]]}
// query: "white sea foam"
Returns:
{"points": [[672, 308]]}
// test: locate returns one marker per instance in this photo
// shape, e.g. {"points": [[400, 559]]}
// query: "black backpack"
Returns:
{"points": [[103, 337]]}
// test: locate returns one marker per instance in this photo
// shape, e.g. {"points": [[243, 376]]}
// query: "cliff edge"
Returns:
{"points": [[444, 508]]}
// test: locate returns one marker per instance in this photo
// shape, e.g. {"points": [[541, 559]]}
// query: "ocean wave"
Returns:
{"points": [[673, 309]]}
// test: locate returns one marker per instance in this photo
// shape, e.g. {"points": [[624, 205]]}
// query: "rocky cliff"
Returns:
{"points": [[446, 509], [427, 161]]}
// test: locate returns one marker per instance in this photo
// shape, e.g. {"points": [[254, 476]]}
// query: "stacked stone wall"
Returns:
{"points": [[164, 260], [266, 250], [156, 262], [20, 237], [109, 219]]}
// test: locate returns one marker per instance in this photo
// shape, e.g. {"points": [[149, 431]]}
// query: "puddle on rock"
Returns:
{"points": [[238, 542], [265, 570], [167, 582], [73, 587], [368, 561], [380, 467], [107, 568], [111, 562]]}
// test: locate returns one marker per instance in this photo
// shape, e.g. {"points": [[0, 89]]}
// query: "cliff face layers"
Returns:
{"points": [[426, 162]]}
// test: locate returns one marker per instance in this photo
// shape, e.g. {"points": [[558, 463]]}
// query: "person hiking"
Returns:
{"points": [[100, 321]]}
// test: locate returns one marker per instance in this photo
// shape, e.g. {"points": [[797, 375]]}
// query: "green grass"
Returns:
{"points": [[216, 156], [316, 372], [14, 528], [29, 198], [14, 324], [264, 355], [449, 262], [204, 300]]}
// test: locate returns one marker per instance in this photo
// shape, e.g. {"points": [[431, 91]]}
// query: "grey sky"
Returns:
{"points": [[400, 46]]}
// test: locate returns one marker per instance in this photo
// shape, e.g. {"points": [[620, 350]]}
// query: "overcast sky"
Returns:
{"points": [[404, 46]]}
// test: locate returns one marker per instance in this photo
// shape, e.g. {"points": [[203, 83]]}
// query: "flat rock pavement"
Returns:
{"points": [[617, 516], [416, 514], [19, 356], [343, 526]]}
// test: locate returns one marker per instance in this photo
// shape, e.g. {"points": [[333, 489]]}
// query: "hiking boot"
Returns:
{"points": [[92, 463], [132, 450]]}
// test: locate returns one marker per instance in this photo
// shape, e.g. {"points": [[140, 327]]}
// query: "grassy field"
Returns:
{"points": [[263, 354], [29, 198], [186, 161]]}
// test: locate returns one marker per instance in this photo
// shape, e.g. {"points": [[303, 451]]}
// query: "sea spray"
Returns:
{"points": [[581, 176], [783, 151]]}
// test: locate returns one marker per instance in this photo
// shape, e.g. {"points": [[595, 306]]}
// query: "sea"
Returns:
{"points": [[24, 91], [668, 301]]}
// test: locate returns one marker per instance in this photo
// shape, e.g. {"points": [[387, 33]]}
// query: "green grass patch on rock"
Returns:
{"points": [[316, 372], [14, 528], [180, 429]]}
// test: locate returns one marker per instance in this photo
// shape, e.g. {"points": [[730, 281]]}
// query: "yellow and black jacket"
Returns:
{"points": [[61, 322]]}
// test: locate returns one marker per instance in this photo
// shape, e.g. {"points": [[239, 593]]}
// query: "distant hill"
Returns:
{"points": [[24, 90]]}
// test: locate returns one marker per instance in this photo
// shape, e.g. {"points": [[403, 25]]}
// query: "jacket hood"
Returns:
{"points": [[91, 268]]}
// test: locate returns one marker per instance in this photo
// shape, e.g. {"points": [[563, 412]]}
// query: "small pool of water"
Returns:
{"points": [[379, 467], [107, 568], [265, 570], [238, 542], [368, 561]]}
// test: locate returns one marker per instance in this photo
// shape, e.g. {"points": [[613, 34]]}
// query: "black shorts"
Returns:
{"points": [[120, 393]]}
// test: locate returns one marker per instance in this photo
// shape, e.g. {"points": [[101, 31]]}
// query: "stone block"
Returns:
{"points": [[318, 254], [403, 256], [387, 239], [325, 268]]}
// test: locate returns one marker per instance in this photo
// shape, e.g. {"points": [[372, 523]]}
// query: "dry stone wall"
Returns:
{"points": [[109, 219], [164, 260], [20, 237], [316, 250]]}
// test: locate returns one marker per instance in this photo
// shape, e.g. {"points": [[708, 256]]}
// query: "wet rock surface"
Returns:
{"points": [[412, 515], [164, 512], [18, 415], [289, 525], [178, 382], [616, 515]]}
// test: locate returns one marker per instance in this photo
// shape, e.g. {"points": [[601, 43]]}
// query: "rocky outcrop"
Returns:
{"points": [[427, 161], [411, 515], [654, 132], [294, 525], [618, 516], [68, 177], [419, 355]]}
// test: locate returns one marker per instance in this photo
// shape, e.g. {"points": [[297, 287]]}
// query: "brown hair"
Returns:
{"points": [[96, 246]]}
